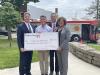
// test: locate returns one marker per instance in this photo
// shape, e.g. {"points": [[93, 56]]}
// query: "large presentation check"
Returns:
{"points": [[41, 41]]}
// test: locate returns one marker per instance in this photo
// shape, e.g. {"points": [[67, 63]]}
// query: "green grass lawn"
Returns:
{"points": [[96, 46], [9, 56]]}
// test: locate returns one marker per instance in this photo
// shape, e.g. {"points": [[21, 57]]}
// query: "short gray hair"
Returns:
{"points": [[26, 13], [43, 16], [53, 14]]}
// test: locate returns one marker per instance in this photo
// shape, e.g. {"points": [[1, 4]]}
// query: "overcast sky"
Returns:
{"points": [[67, 8]]}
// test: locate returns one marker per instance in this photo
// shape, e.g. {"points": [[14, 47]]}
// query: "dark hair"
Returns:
{"points": [[64, 19], [43, 16]]}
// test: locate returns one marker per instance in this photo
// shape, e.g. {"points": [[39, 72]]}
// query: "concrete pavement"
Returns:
{"points": [[76, 67], [79, 67]]}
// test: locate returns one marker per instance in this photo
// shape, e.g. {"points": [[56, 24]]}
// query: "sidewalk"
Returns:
{"points": [[14, 71], [76, 67]]}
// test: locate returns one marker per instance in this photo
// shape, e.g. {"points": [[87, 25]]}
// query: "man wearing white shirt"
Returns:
{"points": [[53, 53], [43, 55], [25, 56]]}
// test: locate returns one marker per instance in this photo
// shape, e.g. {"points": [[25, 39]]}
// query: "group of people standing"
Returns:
{"points": [[60, 55]]}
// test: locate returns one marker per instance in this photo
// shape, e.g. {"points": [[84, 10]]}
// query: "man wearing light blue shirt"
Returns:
{"points": [[43, 55], [43, 28]]}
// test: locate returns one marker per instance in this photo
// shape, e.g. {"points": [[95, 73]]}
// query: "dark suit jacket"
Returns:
{"points": [[21, 29], [50, 24]]}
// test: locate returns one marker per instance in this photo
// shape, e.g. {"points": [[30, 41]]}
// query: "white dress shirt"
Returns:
{"points": [[54, 26], [28, 24], [44, 28]]}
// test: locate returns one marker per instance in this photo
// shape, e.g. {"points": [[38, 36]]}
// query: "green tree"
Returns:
{"points": [[94, 9], [19, 3], [9, 17]]}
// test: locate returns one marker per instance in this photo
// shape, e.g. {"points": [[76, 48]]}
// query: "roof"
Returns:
{"points": [[92, 22]]}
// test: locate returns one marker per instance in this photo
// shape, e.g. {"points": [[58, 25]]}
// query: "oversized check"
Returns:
{"points": [[41, 41]]}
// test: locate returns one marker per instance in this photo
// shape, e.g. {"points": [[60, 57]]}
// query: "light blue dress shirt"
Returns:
{"points": [[44, 28]]}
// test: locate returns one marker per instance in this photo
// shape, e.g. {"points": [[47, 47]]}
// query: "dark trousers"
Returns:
{"points": [[25, 63], [52, 52]]}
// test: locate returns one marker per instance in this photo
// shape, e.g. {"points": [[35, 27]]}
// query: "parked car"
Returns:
{"points": [[3, 31]]}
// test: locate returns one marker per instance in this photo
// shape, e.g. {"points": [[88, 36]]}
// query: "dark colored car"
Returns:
{"points": [[3, 32]]}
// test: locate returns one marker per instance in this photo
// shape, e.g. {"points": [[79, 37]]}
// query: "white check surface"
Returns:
{"points": [[41, 41]]}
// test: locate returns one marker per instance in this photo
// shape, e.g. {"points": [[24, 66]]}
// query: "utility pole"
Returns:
{"points": [[97, 17], [97, 9]]}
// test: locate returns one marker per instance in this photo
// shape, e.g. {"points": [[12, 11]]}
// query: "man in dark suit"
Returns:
{"points": [[53, 53], [25, 56]]}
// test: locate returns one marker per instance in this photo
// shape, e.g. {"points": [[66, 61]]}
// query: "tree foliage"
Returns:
{"points": [[93, 8], [19, 3], [9, 17]]}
